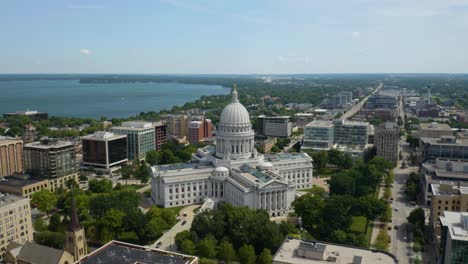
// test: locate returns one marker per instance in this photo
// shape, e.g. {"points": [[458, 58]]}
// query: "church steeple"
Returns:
{"points": [[75, 241], [235, 97]]}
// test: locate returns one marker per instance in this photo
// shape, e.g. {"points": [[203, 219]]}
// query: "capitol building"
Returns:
{"points": [[232, 171]]}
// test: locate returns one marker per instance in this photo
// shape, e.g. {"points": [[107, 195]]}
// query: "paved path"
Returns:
{"points": [[168, 239]]}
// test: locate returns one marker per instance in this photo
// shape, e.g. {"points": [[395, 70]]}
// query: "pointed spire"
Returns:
{"points": [[235, 98], [74, 222]]}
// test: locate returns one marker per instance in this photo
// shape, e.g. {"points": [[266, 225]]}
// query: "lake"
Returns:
{"points": [[74, 99]]}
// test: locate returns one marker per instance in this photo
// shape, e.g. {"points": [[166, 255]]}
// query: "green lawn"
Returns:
{"points": [[358, 224], [325, 172]]}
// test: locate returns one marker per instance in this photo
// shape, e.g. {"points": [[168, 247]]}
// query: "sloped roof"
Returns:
{"points": [[39, 254]]}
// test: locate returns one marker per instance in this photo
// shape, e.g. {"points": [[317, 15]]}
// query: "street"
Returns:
{"points": [[167, 240]]}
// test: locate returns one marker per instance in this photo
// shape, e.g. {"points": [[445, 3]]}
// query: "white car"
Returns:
{"points": [[395, 209]]}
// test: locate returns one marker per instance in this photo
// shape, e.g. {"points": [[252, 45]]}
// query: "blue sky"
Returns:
{"points": [[221, 36]]}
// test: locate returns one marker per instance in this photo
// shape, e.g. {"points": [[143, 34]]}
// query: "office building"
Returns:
{"points": [[453, 172], [323, 135], [265, 145], [387, 141], [233, 171], [125, 253], [160, 136], [273, 126], [350, 132], [51, 159], [381, 101], [454, 238], [297, 251], [318, 135], [11, 156], [35, 115], [140, 138], [104, 151], [446, 147], [22, 185], [434, 130], [15, 220]]}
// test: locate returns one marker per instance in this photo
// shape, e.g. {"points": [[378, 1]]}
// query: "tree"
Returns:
{"points": [[346, 162], [50, 239], [187, 247], [320, 159], [264, 257], [45, 200], [113, 220], [127, 172], [342, 184], [54, 222], [71, 184], [207, 247], [100, 186], [338, 236], [142, 172], [334, 157], [152, 157], [155, 228], [39, 225], [247, 254], [226, 252], [417, 218]]}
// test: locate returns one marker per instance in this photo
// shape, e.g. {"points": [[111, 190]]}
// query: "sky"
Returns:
{"points": [[234, 36]]}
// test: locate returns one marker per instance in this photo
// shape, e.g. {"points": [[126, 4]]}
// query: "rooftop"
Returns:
{"points": [[48, 143], [15, 182], [35, 253], [321, 252], [285, 156], [434, 126], [124, 253], [103, 135], [6, 199], [457, 224], [320, 123], [257, 174], [273, 117], [183, 166], [445, 140], [8, 140], [133, 125]]}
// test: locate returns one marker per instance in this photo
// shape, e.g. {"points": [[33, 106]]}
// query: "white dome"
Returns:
{"points": [[221, 169], [265, 166], [235, 114]]}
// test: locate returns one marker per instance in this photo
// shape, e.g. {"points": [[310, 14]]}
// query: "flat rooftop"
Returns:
{"points": [[285, 156], [287, 254], [456, 224], [320, 123], [254, 174], [7, 199], [103, 135], [183, 166], [434, 126], [48, 144], [124, 253], [445, 140], [15, 182], [8, 140]]}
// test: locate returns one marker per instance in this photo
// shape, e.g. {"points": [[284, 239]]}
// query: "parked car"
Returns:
{"points": [[184, 214], [184, 222], [158, 245], [389, 228], [395, 209]]}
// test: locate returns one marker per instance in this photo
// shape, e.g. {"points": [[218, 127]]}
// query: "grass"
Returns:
{"points": [[370, 228], [358, 224], [326, 172], [130, 237], [383, 240]]}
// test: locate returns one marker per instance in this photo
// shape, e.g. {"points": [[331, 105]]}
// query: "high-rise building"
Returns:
{"points": [[447, 197], [199, 130], [273, 126], [140, 138], [51, 159], [11, 156], [318, 135], [387, 139], [15, 220], [159, 134], [454, 238], [350, 132], [177, 125], [104, 150], [323, 135]]}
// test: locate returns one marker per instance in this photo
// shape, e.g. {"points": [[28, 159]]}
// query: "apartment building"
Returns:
{"points": [[274, 126], [160, 134], [447, 197], [11, 156]]}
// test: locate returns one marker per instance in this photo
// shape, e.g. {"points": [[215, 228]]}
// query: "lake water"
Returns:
{"points": [[70, 98]]}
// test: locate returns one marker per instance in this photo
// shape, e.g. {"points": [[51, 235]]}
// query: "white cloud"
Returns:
{"points": [[85, 52], [356, 34]]}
